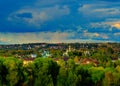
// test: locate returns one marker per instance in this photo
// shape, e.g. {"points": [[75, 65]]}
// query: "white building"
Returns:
{"points": [[33, 55]]}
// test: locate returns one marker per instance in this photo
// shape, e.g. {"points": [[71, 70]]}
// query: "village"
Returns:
{"points": [[81, 53]]}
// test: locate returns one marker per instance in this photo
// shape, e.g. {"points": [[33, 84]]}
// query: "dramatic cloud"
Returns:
{"points": [[59, 21], [117, 25], [37, 16]]}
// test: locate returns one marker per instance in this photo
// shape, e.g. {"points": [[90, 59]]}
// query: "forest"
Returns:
{"points": [[46, 72]]}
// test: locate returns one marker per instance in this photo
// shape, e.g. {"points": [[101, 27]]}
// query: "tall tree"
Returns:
{"points": [[45, 72], [14, 71]]}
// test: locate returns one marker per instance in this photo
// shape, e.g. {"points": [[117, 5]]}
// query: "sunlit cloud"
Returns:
{"points": [[117, 25]]}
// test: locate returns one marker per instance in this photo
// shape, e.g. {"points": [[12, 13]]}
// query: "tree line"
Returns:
{"points": [[46, 72]]}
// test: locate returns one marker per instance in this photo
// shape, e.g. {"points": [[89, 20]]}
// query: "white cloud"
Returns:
{"points": [[107, 24], [40, 15], [104, 36], [99, 24], [51, 37], [91, 35], [117, 34], [35, 37], [96, 35], [99, 10], [117, 25], [107, 11]]}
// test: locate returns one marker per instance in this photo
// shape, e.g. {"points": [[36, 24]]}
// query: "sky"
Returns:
{"points": [[58, 21]]}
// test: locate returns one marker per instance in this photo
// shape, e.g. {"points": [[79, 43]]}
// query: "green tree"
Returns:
{"points": [[62, 77], [84, 78], [97, 74], [14, 71], [71, 64], [3, 72], [28, 71], [45, 72], [108, 80], [72, 79]]}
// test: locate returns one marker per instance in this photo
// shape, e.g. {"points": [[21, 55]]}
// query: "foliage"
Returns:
{"points": [[54, 71]]}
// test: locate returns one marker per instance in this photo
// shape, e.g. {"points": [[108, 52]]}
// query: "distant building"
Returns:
{"points": [[114, 59], [89, 61], [87, 53], [28, 60], [67, 51], [33, 55], [46, 54], [56, 60]]}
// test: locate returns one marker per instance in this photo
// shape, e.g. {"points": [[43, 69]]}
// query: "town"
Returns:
{"points": [[80, 52]]}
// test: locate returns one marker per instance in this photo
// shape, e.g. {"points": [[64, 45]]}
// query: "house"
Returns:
{"points": [[89, 61], [33, 55], [56, 60], [114, 59], [46, 54], [28, 60]]}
